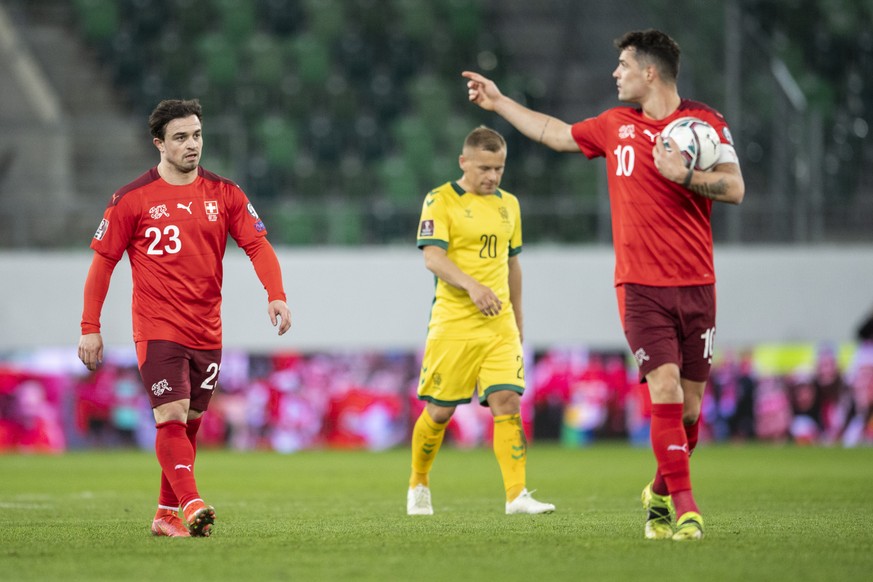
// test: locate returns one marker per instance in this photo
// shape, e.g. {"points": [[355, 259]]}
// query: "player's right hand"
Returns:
{"points": [[91, 350], [486, 300]]}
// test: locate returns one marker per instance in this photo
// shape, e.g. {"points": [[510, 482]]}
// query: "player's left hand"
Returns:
{"points": [[669, 161], [280, 315]]}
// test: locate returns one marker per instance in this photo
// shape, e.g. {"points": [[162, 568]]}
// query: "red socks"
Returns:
{"points": [[671, 447], [175, 451], [659, 486]]}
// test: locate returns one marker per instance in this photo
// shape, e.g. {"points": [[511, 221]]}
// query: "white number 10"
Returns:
{"points": [[624, 160], [708, 338]]}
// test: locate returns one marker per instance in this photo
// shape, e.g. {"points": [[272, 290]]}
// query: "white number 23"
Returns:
{"points": [[164, 242]]}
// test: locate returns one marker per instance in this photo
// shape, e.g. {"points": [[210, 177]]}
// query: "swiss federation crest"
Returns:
{"points": [[211, 209]]}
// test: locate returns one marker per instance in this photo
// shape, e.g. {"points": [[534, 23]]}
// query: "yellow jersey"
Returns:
{"points": [[479, 233]]}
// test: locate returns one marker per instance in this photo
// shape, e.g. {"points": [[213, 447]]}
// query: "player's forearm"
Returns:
{"points": [[266, 264], [446, 270], [723, 184], [545, 129], [96, 288]]}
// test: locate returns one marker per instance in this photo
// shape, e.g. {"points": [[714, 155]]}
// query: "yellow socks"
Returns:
{"points": [[510, 448], [427, 436]]}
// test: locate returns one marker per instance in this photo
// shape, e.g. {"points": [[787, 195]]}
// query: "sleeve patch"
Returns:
{"points": [[101, 230]]}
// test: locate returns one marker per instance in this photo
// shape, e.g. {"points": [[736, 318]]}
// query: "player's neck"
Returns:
{"points": [[468, 188], [661, 104], [174, 176]]}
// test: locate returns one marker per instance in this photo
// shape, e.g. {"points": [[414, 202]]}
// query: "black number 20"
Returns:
{"points": [[489, 246]]}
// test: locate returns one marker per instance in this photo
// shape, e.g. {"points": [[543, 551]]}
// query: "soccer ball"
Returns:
{"points": [[697, 141]]}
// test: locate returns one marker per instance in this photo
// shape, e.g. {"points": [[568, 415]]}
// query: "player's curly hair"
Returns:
{"points": [[485, 138], [656, 47], [170, 109]]}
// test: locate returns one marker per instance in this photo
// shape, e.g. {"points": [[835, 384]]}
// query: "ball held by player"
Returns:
{"points": [[698, 142]]}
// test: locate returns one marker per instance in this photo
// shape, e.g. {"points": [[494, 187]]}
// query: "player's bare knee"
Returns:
{"points": [[689, 418], [440, 414], [504, 402]]}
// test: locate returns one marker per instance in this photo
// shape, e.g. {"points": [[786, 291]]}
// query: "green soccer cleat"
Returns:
{"points": [[659, 514], [689, 527]]}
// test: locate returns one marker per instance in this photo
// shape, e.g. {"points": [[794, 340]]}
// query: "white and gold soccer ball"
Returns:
{"points": [[697, 141]]}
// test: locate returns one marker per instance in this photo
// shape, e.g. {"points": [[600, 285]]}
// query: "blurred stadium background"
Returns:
{"points": [[337, 116]]}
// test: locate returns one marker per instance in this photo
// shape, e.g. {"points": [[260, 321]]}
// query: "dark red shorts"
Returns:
{"points": [[669, 325], [171, 372]]}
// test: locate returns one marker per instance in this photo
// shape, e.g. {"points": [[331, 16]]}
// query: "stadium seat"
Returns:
{"points": [[311, 59], [237, 20], [220, 61], [264, 59], [99, 20], [416, 145], [325, 19], [279, 139]]}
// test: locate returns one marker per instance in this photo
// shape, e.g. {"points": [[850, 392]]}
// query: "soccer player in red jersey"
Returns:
{"points": [[664, 275], [173, 222]]}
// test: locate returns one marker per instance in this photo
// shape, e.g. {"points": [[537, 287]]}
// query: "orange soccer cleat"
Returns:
{"points": [[167, 523], [200, 518]]}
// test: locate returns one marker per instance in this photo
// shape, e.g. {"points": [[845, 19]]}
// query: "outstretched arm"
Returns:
{"points": [[542, 128]]}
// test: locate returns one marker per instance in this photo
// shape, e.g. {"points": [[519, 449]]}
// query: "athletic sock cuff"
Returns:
{"points": [[171, 423]]}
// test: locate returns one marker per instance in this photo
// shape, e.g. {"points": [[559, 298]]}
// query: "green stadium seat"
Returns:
{"points": [[220, 61], [265, 61], [238, 20], [279, 138], [99, 20], [311, 59], [400, 182], [415, 143], [326, 19]]}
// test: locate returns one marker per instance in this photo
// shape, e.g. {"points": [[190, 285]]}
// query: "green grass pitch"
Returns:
{"points": [[772, 513]]}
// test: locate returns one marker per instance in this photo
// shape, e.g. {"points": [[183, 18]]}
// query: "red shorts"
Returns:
{"points": [[669, 325], [171, 372]]}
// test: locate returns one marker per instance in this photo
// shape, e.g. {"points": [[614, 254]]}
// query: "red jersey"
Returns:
{"points": [[175, 238], [661, 231]]}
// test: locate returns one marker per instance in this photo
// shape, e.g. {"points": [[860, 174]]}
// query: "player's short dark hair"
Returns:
{"points": [[170, 109], [485, 138], [656, 47]]}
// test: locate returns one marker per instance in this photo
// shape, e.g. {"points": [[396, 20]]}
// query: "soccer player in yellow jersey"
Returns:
{"points": [[470, 235]]}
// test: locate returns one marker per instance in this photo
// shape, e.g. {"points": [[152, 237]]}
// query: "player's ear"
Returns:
{"points": [[159, 143], [651, 73], [461, 161]]}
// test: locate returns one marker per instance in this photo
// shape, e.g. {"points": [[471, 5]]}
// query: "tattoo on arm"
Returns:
{"points": [[715, 191], [543, 132]]}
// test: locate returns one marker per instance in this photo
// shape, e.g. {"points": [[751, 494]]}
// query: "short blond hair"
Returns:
{"points": [[485, 138]]}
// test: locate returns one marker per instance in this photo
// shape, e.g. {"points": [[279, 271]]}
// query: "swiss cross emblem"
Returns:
{"points": [[211, 209]]}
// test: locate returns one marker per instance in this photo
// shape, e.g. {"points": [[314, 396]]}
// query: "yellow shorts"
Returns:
{"points": [[453, 370]]}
